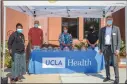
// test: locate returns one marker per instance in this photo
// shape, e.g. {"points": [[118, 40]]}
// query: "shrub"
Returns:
{"points": [[7, 60], [81, 44], [123, 48]]}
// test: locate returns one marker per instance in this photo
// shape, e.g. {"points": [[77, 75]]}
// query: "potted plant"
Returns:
{"points": [[82, 44], [123, 49]]}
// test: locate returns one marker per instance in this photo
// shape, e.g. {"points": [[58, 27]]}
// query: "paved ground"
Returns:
{"points": [[70, 78]]}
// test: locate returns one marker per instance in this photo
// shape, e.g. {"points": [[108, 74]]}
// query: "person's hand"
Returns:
{"points": [[63, 44], [10, 51], [31, 50], [116, 52], [100, 52], [92, 45], [68, 44], [31, 47]]}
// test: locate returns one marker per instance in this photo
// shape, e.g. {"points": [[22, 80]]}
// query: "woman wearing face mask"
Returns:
{"points": [[65, 39], [92, 37], [16, 46]]}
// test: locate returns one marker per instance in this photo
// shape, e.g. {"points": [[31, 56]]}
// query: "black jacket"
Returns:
{"points": [[16, 43], [92, 37]]}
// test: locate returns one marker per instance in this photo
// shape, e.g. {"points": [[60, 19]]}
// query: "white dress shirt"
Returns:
{"points": [[108, 35]]}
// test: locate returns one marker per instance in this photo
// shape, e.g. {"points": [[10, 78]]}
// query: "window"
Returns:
{"points": [[72, 24], [91, 21]]}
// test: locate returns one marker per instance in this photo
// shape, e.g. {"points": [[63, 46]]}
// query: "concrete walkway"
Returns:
{"points": [[71, 78]]}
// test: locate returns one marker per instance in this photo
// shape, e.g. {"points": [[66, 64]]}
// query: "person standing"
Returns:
{"points": [[35, 35], [109, 45], [92, 37], [65, 39], [16, 46]]}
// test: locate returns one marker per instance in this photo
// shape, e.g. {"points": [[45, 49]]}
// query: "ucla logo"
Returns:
{"points": [[53, 62]]}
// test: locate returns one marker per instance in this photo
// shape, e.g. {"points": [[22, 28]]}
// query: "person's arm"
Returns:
{"points": [[42, 37], [10, 42], [100, 39], [24, 40], [96, 42], [87, 38], [71, 40], [118, 41], [29, 38], [97, 39], [88, 42], [60, 40]]}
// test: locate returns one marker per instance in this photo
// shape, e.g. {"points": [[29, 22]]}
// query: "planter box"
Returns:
{"points": [[122, 63]]}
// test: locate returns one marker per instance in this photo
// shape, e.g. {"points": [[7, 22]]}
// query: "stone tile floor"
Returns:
{"points": [[70, 78]]}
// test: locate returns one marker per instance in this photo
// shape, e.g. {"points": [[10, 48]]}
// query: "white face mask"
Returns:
{"points": [[65, 31], [36, 25], [19, 30], [109, 22]]}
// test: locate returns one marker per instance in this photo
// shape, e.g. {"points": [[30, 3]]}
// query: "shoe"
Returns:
{"points": [[106, 79], [116, 82], [12, 80], [19, 80], [16, 79], [27, 73]]}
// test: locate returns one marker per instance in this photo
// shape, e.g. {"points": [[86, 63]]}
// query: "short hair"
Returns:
{"points": [[65, 27], [109, 16], [18, 24], [36, 21]]}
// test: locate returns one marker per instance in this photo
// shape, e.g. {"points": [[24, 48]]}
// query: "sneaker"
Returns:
{"points": [[19, 80], [106, 79], [12, 80], [116, 81], [16, 79]]}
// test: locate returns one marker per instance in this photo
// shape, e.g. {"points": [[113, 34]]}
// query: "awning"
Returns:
{"points": [[91, 9]]}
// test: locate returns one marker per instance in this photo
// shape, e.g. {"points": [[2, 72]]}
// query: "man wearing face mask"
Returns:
{"points": [[35, 35], [16, 46], [92, 37], [65, 39], [109, 45]]}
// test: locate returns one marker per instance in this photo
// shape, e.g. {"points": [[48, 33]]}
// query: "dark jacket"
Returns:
{"points": [[16, 43], [92, 37], [115, 39]]}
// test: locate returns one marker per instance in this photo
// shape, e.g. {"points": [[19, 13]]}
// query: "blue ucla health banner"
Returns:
{"points": [[66, 62]]}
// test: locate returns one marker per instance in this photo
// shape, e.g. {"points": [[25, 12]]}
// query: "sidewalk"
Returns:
{"points": [[71, 78]]}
